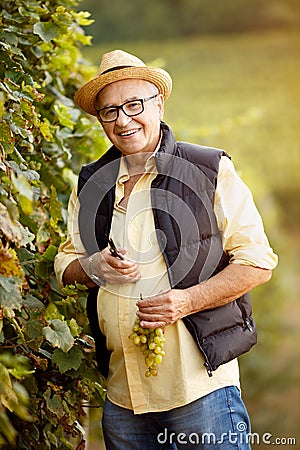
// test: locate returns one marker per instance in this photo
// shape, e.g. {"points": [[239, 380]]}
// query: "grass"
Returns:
{"points": [[242, 93]]}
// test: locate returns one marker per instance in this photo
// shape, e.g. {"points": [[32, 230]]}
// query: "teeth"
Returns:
{"points": [[128, 133]]}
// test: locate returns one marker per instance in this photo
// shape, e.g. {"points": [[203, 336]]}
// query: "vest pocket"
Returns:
{"points": [[223, 334]]}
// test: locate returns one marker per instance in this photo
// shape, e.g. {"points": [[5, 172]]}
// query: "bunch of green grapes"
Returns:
{"points": [[151, 343]]}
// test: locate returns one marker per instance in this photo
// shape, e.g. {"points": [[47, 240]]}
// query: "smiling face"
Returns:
{"points": [[136, 134]]}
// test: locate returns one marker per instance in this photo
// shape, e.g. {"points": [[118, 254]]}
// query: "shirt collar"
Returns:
{"points": [[150, 165]]}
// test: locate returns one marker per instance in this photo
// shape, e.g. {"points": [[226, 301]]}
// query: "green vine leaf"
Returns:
{"points": [[8, 227], [49, 254], [6, 135], [55, 208], [54, 403], [59, 335], [10, 295], [44, 266], [69, 360], [46, 31], [24, 192], [11, 398], [74, 327], [64, 115]]}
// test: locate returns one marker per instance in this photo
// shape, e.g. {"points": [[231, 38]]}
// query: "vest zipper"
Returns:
{"points": [[246, 319], [207, 363]]}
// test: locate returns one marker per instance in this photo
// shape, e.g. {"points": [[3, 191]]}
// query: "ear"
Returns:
{"points": [[97, 118], [161, 105]]}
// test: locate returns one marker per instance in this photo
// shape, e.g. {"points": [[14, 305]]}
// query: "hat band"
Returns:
{"points": [[115, 68]]}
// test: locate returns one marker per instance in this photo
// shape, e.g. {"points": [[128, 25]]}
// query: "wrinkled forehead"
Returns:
{"points": [[122, 90]]}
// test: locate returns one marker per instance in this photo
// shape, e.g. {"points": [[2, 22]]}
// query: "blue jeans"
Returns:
{"points": [[218, 421]]}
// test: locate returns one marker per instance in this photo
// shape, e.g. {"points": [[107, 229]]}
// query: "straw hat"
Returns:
{"points": [[119, 65]]}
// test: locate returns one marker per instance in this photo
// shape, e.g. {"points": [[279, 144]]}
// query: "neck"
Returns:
{"points": [[136, 163]]}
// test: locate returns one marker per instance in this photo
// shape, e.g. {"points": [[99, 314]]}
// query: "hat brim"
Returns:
{"points": [[86, 95]]}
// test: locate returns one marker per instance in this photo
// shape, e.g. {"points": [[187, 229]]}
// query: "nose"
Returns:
{"points": [[122, 119]]}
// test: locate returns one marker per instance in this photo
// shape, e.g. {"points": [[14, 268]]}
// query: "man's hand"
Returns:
{"points": [[115, 270], [163, 309]]}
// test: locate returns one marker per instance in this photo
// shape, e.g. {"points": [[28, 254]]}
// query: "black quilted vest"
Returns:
{"points": [[182, 196]]}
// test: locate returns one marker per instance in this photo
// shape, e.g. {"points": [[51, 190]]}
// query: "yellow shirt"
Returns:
{"points": [[182, 377]]}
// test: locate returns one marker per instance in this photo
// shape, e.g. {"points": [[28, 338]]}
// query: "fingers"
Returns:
{"points": [[154, 311], [153, 321], [116, 270], [121, 266], [153, 325], [118, 263], [156, 305], [163, 309]]}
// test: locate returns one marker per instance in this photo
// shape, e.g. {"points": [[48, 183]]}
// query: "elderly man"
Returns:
{"points": [[165, 232]]}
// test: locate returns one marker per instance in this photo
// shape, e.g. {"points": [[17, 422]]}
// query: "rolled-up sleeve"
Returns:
{"points": [[72, 248], [239, 221]]}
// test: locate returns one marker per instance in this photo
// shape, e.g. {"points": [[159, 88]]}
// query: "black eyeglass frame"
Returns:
{"points": [[118, 107]]}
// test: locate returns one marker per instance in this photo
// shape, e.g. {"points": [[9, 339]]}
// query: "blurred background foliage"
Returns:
{"points": [[235, 65], [138, 19]]}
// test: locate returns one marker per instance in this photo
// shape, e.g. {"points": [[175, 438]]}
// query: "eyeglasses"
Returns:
{"points": [[131, 108]]}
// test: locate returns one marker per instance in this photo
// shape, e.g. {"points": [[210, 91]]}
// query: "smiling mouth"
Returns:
{"points": [[129, 132]]}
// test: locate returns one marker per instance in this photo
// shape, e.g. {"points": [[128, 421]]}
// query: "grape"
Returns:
{"points": [[143, 339], [137, 340], [151, 344], [158, 359]]}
